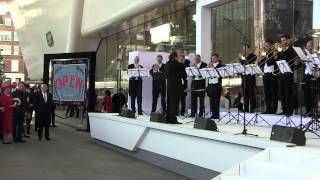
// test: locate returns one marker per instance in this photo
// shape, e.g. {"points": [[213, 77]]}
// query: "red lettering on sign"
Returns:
{"points": [[72, 78]]}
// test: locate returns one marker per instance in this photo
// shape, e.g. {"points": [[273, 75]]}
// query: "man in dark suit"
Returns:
{"points": [[198, 85], [214, 88], [158, 84], [175, 73], [249, 81], [286, 80], [19, 112], [182, 59], [135, 87], [43, 107], [270, 85]]}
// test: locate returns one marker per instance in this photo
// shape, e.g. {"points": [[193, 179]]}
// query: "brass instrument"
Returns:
{"points": [[275, 49], [242, 56]]}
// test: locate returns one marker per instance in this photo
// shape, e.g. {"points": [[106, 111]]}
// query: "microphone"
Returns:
{"points": [[226, 19]]}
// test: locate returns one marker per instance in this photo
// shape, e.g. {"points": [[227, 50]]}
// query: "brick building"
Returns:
{"points": [[15, 69]]}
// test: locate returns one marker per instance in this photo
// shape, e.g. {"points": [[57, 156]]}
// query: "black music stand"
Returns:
{"points": [[285, 68], [237, 69], [191, 73], [226, 72], [254, 69]]}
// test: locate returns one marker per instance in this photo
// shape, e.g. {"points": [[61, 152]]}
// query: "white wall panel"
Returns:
{"points": [[100, 14], [34, 18]]}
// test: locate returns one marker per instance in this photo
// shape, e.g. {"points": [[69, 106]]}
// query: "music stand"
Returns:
{"points": [[226, 72], [237, 69], [285, 68], [137, 73], [191, 73], [253, 69]]}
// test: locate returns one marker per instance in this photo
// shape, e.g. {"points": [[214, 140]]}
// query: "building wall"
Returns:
{"points": [[33, 19], [10, 40]]}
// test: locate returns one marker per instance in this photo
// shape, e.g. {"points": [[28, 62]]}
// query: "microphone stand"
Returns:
{"points": [[245, 40]]}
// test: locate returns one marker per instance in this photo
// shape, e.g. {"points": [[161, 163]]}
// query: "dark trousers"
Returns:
{"points": [[286, 93], [182, 104], [43, 124], [249, 93], [173, 95], [18, 120], [53, 117], [136, 96], [308, 94], [156, 91], [270, 85], [214, 94], [194, 104], [28, 122]]}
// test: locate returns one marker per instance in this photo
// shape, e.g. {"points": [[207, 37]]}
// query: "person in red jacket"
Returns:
{"points": [[107, 102]]}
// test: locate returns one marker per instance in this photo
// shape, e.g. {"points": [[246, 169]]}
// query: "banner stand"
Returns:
{"points": [[91, 94]]}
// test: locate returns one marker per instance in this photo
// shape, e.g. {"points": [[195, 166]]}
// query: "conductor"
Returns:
{"points": [[175, 73]]}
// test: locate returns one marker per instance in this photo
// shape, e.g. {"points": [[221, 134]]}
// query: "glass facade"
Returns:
{"points": [[167, 28], [232, 25]]}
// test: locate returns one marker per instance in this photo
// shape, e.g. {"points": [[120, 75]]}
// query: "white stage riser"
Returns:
{"points": [[211, 150]]}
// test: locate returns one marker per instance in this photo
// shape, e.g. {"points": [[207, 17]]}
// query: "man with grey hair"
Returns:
{"points": [[135, 87], [43, 105]]}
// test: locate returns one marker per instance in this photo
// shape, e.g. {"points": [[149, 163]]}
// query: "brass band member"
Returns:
{"points": [[186, 63], [158, 84], [199, 85], [270, 81], [308, 98], [286, 79], [135, 87], [249, 81], [214, 88]]}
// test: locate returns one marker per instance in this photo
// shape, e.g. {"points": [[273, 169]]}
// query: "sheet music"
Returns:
{"points": [[192, 71], [284, 66], [237, 68], [316, 59], [225, 72], [301, 53], [253, 69], [140, 72], [209, 73]]}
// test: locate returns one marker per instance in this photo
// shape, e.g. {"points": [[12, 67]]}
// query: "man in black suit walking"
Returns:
{"points": [[135, 87], [175, 73], [43, 107]]}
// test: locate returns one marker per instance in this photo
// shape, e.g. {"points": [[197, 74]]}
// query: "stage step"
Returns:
{"points": [[277, 163], [277, 171], [236, 178]]}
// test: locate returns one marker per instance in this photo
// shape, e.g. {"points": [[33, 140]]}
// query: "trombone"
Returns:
{"points": [[275, 49], [290, 63]]}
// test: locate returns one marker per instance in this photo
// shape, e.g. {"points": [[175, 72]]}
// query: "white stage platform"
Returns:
{"points": [[215, 151]]}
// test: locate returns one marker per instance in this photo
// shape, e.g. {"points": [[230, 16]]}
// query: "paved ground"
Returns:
{"points": [[71, 155]]}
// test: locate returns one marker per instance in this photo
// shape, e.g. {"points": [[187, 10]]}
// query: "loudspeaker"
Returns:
{"points": [[206, 124], [158, 117], [288, 134], [127, 113]]}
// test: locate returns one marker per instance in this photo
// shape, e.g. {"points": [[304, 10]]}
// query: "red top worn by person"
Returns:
{"points": [[107, 102], [7, 103]]}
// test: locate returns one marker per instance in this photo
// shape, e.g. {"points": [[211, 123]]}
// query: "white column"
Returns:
{"points": [[203, 30]]}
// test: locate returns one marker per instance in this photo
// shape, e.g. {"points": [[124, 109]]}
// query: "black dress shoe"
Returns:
{"points": [[140, 113], [39, 139], [175, 122], [48, 139], [26, 136], [282, 113]]}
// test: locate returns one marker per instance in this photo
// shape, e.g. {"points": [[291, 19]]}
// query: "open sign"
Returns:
{"points": [[69, 82]]}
